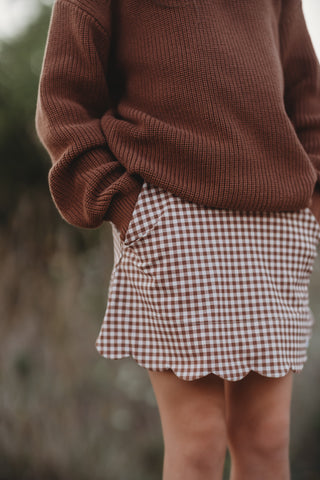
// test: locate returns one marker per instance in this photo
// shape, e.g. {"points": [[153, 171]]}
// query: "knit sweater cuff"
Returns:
{"points": [[121, 208]]}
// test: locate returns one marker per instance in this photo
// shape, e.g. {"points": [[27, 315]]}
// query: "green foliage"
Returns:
{"points": [[24, 162]]}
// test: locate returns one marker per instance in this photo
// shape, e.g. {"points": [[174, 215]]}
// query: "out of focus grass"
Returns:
{"points": [[66, 412]]}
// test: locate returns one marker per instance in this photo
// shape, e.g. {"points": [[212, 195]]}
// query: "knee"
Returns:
{"points": [[201, 443], [266, 437]]}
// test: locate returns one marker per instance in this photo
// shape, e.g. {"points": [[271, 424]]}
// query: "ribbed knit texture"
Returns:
{"points": [[216, 101]]}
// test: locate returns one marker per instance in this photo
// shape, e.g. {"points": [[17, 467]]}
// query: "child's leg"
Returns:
{"points": [[258, 423], [193, 424]]}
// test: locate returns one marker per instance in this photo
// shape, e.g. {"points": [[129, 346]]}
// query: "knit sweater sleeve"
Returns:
{"points": [[302, 79], [87, 183]]}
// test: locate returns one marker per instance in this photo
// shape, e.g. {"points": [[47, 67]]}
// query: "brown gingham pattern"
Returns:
{"points": [[201, 290]]}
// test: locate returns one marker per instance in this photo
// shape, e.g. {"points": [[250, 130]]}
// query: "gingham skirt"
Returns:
{"points": [[201, 290]]}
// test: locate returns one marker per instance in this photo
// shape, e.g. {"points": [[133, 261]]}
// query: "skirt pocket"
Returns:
{"points": [[150, 206]]}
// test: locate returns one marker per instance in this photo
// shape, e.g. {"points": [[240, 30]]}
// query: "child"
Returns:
{"points": [[193, 127]]}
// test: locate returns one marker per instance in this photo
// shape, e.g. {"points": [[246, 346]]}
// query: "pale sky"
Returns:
{"points": [[16, 14]]}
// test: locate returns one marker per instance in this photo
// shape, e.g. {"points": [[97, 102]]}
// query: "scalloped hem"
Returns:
{"points": [[188, 377]]}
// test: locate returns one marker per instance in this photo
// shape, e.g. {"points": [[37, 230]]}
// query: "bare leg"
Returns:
{"points": [[192, 416], [258, 425]]}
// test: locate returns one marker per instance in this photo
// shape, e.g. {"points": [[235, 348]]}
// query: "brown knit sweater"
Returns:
{"points": [[216, 101]]}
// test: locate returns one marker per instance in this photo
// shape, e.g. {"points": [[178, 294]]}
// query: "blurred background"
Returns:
{"points": [[66, 412]]}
